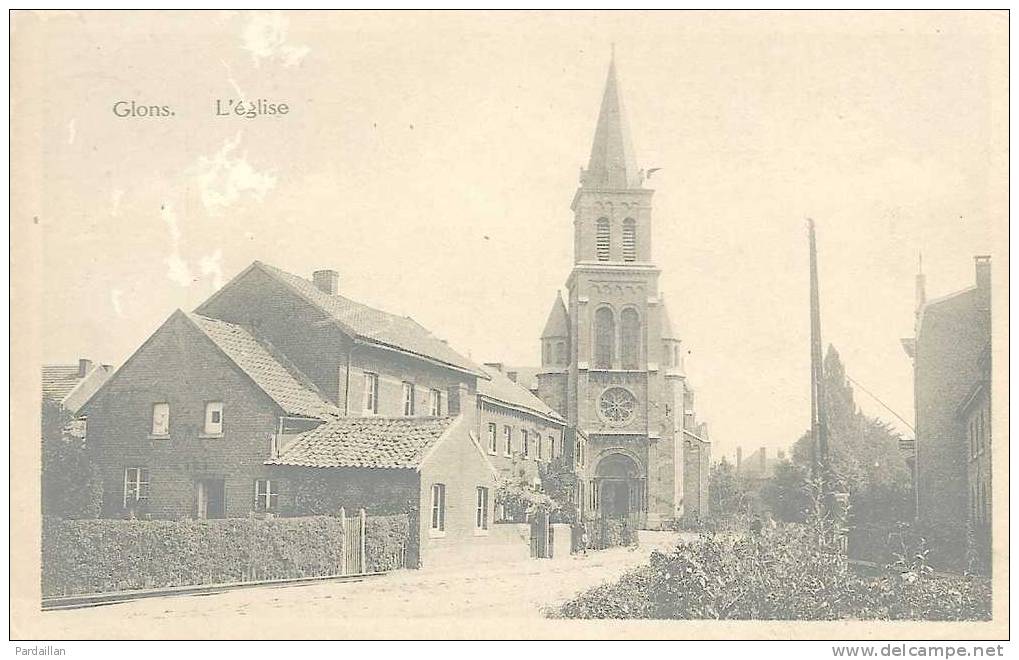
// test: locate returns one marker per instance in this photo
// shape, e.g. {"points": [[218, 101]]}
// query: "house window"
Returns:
{"points": [[481, 513], [541, 447], [438, 507], [604, 337], [507, 435], [579, 452], [266, 494], [525, 442], [629, 349], [595, 488], [493, 445], [371, 394], [136, 485], [629, 240], [408, 399], [603, 239], [435, 402], [214, 418], [551, 447], [160, 419]]}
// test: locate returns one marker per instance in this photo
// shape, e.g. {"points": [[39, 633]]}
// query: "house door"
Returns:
{"points": [[210, 498]]}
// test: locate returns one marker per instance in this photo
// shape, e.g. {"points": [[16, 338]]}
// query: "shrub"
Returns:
{"points": [[386, 542], [783, 573], [91, 556]]}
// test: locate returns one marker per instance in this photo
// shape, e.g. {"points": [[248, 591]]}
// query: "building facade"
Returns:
{"points": [[951, 354], [611, 361], [279, 396]]}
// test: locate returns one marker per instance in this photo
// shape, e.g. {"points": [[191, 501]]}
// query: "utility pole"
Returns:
{"points": [[818, 418]]}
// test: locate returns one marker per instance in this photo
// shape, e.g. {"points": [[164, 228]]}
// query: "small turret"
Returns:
{"points": [[555, 337]]}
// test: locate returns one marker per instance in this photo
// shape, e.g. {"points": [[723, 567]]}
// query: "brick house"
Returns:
{"points": [[520, 432], [951, 353], [279, 396]]}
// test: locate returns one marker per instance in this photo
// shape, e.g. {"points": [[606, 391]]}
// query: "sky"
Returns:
{"points": [[431, 160]]}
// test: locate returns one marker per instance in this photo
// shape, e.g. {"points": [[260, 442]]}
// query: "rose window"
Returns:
{"points": [[616, 405]]}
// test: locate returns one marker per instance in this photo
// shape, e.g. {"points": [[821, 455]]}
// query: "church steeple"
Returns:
{"points": [[612, 164]]}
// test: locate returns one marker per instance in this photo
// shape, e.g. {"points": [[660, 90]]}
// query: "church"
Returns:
{"points": [[611, 360]]}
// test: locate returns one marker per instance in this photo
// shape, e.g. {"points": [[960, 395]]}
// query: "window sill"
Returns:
{"points": [[153, 436], [208, 436], [436, 534]]}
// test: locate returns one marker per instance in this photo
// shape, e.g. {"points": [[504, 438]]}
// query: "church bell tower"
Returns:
{"points": [[623, 385]]}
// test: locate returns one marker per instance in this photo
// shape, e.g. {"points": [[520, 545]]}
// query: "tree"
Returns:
{"points": [[786, 493], [726, 491], [71, 486], [864, 454]]}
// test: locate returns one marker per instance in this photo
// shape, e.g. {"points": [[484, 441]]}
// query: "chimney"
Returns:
{"points": [[512, 375], [326, 280], [982, 264], [921, 287], [495, 365], [84, 366]]}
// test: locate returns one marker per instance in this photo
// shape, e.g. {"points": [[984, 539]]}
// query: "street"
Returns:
{"points": [[514, 590]]}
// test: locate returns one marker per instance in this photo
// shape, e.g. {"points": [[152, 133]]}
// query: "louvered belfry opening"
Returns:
{"points": [[603, 239], [629, 240]]}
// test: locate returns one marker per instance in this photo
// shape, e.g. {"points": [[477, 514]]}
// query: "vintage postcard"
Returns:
{"points": [[520, 324]]}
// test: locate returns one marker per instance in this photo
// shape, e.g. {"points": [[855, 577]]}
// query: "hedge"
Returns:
{"points": [[93, 556], [780, 574], [605, 533], [386, 542]]}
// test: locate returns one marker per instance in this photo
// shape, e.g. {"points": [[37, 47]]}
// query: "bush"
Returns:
{"points": [[783, 573], [604, 533], [92, 556], [386, 542]]}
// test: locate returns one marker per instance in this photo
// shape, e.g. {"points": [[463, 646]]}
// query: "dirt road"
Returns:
{"points": [[509, 591]]}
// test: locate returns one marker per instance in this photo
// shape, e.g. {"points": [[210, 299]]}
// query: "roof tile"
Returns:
{"points": [[375, 325], [366, 442], [286, 386]]}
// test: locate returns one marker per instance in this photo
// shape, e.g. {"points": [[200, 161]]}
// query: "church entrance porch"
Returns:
{"points": [[619, 490]]}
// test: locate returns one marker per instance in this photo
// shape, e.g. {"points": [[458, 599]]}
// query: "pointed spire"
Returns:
{"points": [[612, 163], [558, 321]]}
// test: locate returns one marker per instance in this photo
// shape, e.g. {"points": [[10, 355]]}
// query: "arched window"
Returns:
{"points": [[629, 349], [629, 240], [603, 239], [604, 336]]}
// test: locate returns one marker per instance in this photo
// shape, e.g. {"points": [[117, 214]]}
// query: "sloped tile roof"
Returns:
{"points": [[365, 442], [58, 380], [501, 388], [284, 384], [374, 325]]}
